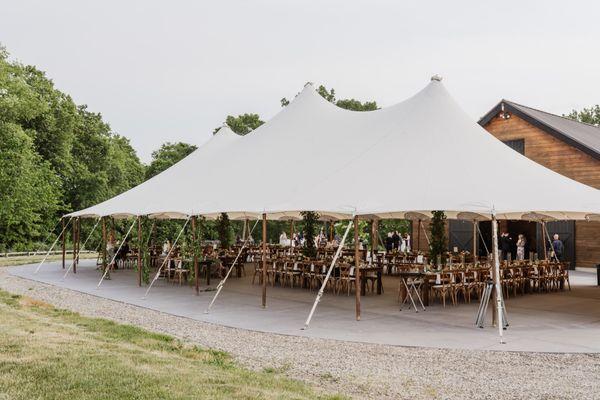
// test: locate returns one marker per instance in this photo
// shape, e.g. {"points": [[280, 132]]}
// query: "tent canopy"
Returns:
{"points": [[409, 159]]}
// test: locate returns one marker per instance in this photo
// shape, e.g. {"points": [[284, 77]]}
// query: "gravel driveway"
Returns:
{"points": [[364, 371]]}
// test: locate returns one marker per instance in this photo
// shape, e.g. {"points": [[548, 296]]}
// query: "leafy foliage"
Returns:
{"points": [[242, 124], [55, 156], [348, 104], [588, 115], [223, 226], [310, 219], [168, 155], [437, 227]]}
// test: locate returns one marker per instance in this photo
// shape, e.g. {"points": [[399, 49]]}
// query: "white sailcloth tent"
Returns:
{"points": [[412, 158], [420, 155]]}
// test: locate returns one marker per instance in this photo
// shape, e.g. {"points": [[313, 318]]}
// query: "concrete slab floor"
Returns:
{"points": [[567, 321]]}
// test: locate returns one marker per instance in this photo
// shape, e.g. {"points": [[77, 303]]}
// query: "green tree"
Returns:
{"points": [[29, 190], [242, 124], [588, 115], [310, 220], [223, 226], [168, 155], [348, 104], [437, 245]]}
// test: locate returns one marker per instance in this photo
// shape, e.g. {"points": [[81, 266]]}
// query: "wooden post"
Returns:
{"points": [[357, 268], [374, 232], [495, 259], [104, 243], [196, 249], [64, 249], [264, 260], [331, 230], [139, 256], [291, 233], [74, 241], [544, 240], [419, 236], [475, 256], [76, 244]]}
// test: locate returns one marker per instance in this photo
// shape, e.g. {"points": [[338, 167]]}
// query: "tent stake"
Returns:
{"points": [[264, 260], [327, 276], [496, 277], [166, 259], [62, 233], [79, 250], [222, 283], [116, 254]]}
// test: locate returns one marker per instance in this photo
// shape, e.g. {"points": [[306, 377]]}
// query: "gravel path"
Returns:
{"points": [[364, 371]]}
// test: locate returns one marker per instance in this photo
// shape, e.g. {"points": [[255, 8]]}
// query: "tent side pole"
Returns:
{"points": [[117, 253], [374, 229], [544, 240], [419, 236], [475, 257], [357, 276], [139, 255], [76, 228], [196, 249], [496, 277], [291, 235], [264, 260], [104, 265], [64, 249], [328, 275], [79, 248]]}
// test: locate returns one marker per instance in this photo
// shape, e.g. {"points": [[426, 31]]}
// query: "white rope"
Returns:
{"points": [[425, 232], [220, 285], [79, 250], [116, 254], [324, 284], [166, 258], [53, 244], [483, 240], [545, 227]]}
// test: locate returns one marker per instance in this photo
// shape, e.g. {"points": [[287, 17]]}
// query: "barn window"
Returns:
{"points": [[517, 145]]}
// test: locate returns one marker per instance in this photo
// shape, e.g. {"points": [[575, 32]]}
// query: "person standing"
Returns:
{"points": [[557, 247], [396, 241], [389, 242], [521, 242], [505, 245]]}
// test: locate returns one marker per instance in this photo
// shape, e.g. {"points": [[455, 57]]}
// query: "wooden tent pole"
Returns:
{"points": [[374, 230], [419, 236], [196, 249], [64, 249], [264, 260], [497, 315], [475, 257], [76, 229], [544, 240], [291, 234], [357, 276], [139, 255], [74, 241], [103, 243]]}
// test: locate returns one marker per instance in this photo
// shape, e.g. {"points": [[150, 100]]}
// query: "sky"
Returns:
{"points": [[163, 71]]}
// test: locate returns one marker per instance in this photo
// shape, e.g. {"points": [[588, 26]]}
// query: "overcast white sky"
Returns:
{"points": [[173, 70]]}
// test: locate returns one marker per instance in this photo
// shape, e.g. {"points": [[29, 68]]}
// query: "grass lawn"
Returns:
{"points": [[46, 353], [22, 260]]}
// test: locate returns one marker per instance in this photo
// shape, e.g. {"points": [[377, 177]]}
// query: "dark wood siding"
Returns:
{"points": [[565, 159]]}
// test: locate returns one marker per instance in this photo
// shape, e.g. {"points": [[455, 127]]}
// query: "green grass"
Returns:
{"points": [[22, 260], [47, 353]]}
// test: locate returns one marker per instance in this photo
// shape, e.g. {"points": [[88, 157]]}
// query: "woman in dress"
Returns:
{"points": [[521, 242]]}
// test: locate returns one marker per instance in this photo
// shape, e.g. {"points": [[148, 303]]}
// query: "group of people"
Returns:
{"points": [[505, 245], [397, 242]]}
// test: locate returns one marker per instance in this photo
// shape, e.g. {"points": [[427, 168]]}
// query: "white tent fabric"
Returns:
{"points": [[420, 155]]}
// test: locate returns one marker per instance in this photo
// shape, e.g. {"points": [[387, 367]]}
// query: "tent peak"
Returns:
{"points": [[436, 77]]}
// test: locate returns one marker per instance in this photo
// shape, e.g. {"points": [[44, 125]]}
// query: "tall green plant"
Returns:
{"points": [[437, 227], [224, 230], [310, 219]]}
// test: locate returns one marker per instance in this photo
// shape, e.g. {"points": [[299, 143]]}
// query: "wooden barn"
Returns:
{"points": [[566, 146]]}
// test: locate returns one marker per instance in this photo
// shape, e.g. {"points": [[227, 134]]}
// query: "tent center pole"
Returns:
{"points": [[264, 260], [496, 277], [357, 280]]}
